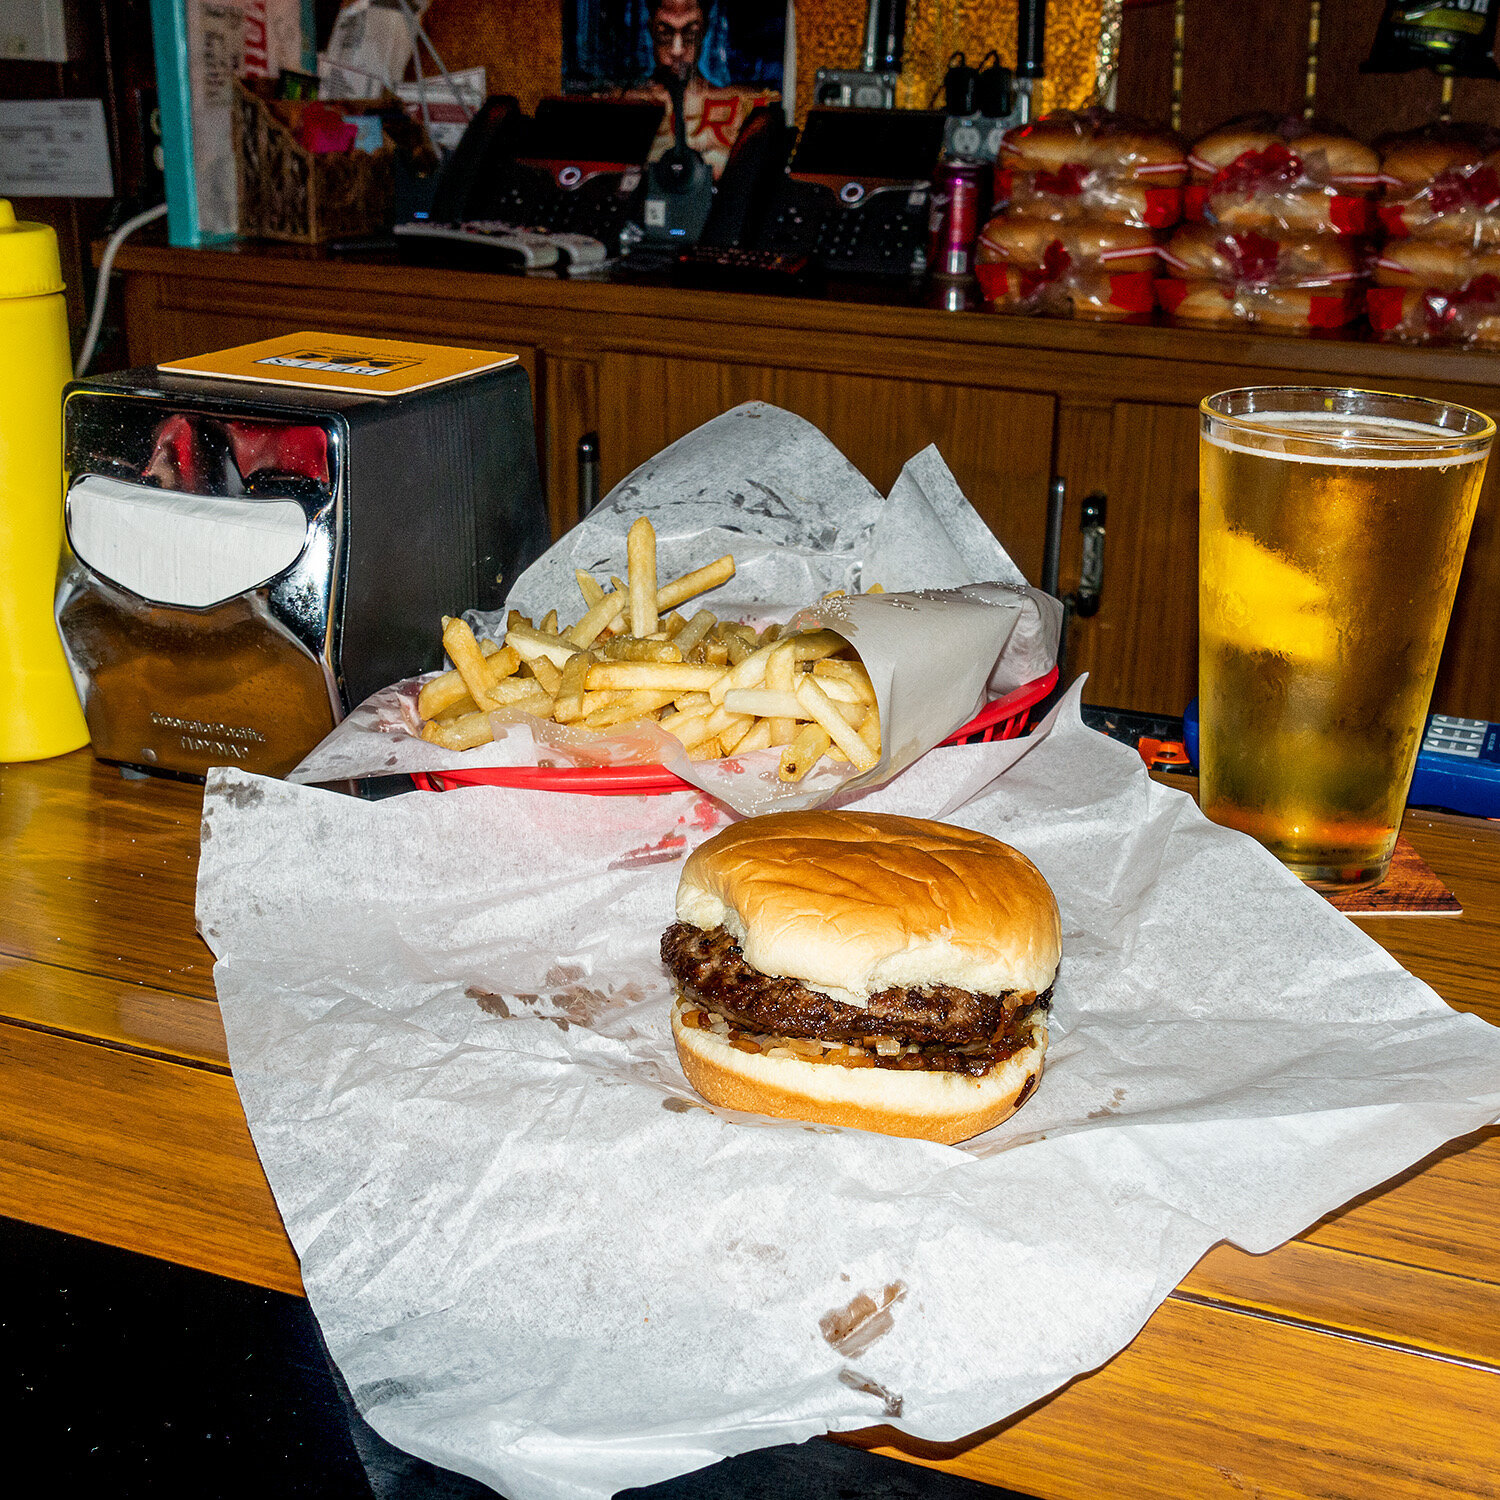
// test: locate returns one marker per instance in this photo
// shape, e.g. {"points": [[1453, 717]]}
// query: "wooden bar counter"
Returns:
{"points": [[1360, 1360], [1011, 403]]}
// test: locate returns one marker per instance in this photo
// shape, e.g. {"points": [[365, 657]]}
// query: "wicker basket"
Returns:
{"points": [[289, 193]]}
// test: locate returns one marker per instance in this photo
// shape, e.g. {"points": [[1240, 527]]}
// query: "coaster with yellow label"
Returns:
{"points": [[338, 362]]}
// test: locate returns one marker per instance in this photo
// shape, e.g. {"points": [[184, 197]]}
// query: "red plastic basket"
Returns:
{"points": [[1003, 719]]}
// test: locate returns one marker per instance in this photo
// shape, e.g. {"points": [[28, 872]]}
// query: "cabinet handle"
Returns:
{"points": [[588, 473], [1057, 493], [1085, 601]]}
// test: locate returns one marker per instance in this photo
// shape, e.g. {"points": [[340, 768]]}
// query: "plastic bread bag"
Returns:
{"points": [[1269, 174], [1092, 164], [1088, 269], [1468, 317], [1442, 183], [1246, 257], [1305, 309], [1433, 265]]}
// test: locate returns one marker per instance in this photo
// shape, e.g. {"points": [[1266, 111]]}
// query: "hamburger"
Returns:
{"points": [[861, 969]]}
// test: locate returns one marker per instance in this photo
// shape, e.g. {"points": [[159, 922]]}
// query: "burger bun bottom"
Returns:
{"points": [[945, 1107]]}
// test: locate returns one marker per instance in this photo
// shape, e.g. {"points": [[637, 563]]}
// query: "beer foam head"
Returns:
{"points": [[1339, 437]]}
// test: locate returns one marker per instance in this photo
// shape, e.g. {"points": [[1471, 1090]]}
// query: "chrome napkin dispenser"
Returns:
{"points": [[248, 562]]}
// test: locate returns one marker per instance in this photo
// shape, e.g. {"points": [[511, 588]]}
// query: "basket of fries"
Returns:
{"points": [[720, 688]]}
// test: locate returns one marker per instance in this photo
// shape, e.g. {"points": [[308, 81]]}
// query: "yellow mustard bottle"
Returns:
{"points": [[39, 709]]}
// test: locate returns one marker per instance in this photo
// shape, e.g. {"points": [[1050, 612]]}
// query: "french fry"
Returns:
{"points": [[710, 749], [769, 634], [503, 660], [515, 617], [589, 587], [465, 705], [852, 672], [514, 690], [460, 734], [637, 705], [530, 643], [722, 719], [570, 689], [876, 588], [738, 649], [441, 693], [813, 645], [549, 623], [628, 648], [463, 651], [765, 703], [549, 676], [691, 729], [758, 738], [596, 620], [731, 738], [748, 672], [839, 690], [641, 551], [869, 732], [825, 712], [798, 758], [672, 625], [691, 700], [699, 581], [681, 676], [535, 701], [781, 674], [695, 631]]}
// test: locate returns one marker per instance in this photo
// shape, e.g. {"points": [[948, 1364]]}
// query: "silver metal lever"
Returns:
{"points": [[588, 473]]}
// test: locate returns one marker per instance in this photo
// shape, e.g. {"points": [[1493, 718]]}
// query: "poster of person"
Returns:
{"points": [[728, 54]]}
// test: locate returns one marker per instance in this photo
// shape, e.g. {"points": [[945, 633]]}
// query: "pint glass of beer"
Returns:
{"points": [[1333, 527]]}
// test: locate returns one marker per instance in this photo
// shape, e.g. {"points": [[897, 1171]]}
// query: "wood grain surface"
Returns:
{"points": [[1360, 1360]]}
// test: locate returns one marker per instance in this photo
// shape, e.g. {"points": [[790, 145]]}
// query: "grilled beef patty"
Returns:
{"points": [[710, 969]]}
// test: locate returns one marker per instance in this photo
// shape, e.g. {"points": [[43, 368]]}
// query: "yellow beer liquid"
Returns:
{"points": [[1325, 586]]}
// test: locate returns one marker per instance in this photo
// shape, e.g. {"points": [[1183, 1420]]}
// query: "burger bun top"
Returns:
{"points": [[853, 903]]}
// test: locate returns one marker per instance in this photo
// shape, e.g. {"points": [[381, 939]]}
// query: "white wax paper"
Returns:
{"points": [[539, 1259], [957, 625]]}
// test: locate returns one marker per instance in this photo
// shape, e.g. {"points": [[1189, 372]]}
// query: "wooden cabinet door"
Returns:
{"points": [[998, 443], [1141, 649]]}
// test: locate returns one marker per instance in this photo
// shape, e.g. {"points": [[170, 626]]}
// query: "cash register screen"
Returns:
{"points": [[593, 130], [903, 144]]}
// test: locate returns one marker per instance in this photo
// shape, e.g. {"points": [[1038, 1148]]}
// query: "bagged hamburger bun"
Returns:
{"points": [[1019, 239], [805, 936], [1324, 155], [1246, 255]]}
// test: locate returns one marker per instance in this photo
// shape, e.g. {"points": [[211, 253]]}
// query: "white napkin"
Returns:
{"points": [[539, 1259]]}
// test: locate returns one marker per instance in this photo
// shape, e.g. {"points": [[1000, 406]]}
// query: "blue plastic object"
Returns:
{"points": [[1458, 766]]}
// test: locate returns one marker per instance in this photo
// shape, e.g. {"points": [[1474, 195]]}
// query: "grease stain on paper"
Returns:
{"points": [[852, 1378], [576, 1005], [1112, 1108], [669, 847], [862, 1321]]}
